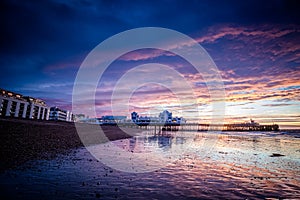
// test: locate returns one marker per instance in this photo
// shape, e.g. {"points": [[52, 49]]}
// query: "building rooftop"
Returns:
{"points": [[21, 97]]}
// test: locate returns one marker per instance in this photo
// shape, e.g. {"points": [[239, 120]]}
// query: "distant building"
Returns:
{"points": [[58, 114], [164, 117], [134, 116], [112, 119], [16, 105], [178, 120], [79, 117]]}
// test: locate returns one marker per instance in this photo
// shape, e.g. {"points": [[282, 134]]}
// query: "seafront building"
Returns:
{"points": [[58, 114], [112, 119], [79, 117], [107, 119], [20, 106], [16, 105]]}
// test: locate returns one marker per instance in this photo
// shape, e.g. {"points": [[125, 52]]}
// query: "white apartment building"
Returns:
{"points": [[16, 105], [58, 114]]}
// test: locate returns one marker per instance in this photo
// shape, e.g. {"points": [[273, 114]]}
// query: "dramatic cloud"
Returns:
{"points": [[255, 45]]}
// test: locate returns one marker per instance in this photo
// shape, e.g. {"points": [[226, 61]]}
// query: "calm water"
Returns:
{"points": [[187, 165]]}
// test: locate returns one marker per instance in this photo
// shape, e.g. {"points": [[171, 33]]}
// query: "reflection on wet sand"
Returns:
{"points": [[238, 166]]}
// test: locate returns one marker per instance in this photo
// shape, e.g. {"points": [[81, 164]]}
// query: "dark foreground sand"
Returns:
{"points": [[23, 140]]}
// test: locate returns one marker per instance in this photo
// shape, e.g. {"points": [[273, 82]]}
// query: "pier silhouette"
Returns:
{"points": [[200, 126]]}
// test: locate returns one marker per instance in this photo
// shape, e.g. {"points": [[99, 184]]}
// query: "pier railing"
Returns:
{"points": [[198, 126]]}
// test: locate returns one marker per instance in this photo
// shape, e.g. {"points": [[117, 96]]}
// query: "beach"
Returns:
{"points": [[24, 140], [46, 160]]}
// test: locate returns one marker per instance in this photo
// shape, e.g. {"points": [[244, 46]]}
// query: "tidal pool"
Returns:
{"points": [[178, 165]]}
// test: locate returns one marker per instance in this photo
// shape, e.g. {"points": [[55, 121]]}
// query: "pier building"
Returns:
{"points": [[163, 117]]}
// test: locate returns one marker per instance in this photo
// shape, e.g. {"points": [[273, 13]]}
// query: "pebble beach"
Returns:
{"points": [[24, 140]]}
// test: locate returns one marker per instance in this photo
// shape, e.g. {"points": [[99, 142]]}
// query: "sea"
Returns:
{"points": [[167, 165]]}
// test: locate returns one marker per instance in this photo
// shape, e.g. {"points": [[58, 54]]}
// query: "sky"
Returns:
{"points": [[254, 44]]}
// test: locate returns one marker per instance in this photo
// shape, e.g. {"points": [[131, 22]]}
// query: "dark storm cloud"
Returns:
{"points": [[47, 26], [38, 34]]}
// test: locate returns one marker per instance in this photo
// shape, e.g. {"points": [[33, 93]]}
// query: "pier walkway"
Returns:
{"points": [[198, 127]]}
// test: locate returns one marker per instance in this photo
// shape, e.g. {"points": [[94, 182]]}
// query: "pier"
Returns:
{"points": [[199, 127], [166, 122]]}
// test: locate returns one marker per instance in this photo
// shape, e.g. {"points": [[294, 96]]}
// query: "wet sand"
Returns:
{"points": [[239, 166], [24, 140]]}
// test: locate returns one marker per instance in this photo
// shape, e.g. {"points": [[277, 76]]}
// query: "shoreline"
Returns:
{"points": [[24, 140]]}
